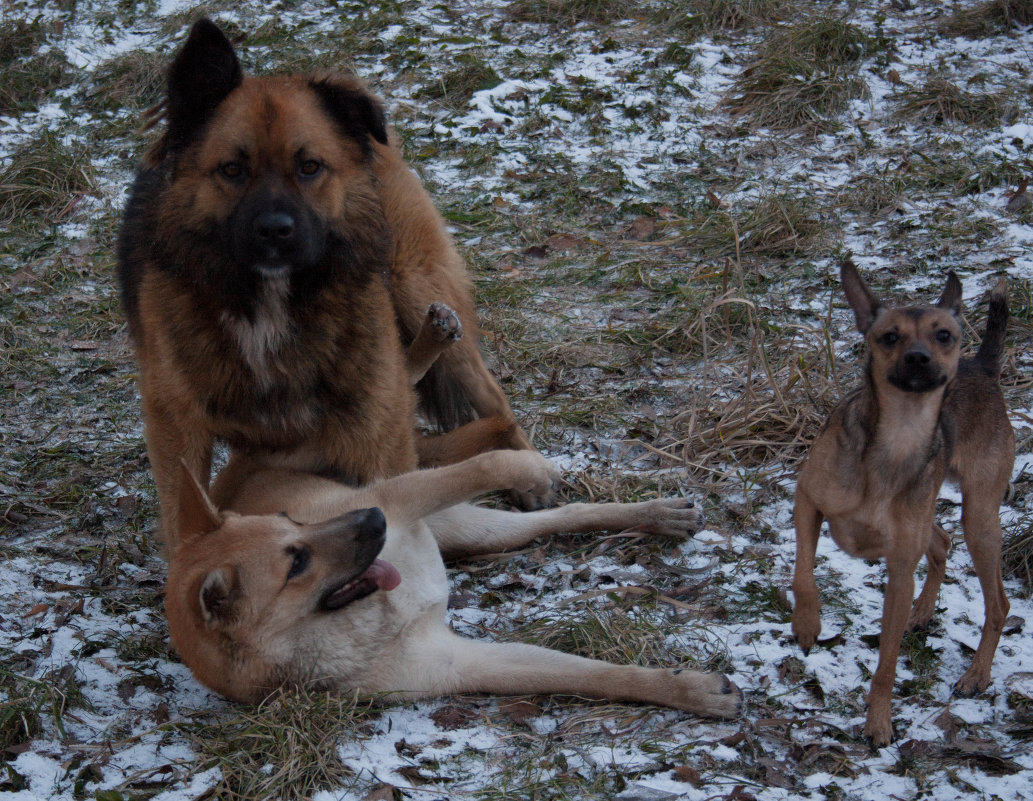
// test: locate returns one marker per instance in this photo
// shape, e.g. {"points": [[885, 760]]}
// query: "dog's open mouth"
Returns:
{"points": [[380, 575]]}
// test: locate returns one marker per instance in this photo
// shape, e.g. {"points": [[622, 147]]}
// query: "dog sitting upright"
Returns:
{"points": [[310, 581], [921, 415]]}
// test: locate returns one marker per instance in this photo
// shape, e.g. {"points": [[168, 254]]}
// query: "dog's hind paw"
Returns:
{"points": [[670, 517], [710, 694]]}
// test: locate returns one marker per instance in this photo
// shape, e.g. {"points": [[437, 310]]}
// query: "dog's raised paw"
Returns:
{"points": [[443, 323]]}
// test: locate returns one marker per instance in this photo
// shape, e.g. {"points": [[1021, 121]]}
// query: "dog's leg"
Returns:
{"points": [[446, 664], [900, 588], [936, 563], [170, 437], [982, 523], [415, 495], [464, 530], [806, 602], [478, 436], [441, 328]]}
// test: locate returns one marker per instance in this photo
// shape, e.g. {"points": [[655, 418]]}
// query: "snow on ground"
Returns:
{"points": [[51, 625]]}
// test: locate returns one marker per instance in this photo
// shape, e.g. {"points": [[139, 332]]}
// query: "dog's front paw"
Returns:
{"points": [[442, 323], [806, 622], [973, 681], [670, 517], [529, 474], [878, 726]]}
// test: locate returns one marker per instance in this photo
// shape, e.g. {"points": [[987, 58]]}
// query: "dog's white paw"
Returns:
{"points": [[670, 517]]}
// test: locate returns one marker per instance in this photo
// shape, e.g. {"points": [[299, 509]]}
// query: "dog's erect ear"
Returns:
{"points": [[197, 515], [862, 301], [218, 597], [951, 297], [203, 72], [359, 113]]}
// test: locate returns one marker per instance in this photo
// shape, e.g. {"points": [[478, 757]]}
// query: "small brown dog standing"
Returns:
{"points": [[922, 415], [277, 255]]}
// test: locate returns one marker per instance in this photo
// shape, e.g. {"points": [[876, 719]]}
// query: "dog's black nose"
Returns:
{"points": [[274, 227], [917, 357], [370, 523]]}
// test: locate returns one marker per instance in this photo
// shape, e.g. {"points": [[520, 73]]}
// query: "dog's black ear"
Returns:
{"points": [[218, 597], [859, 296], [202, 74], [197, 515], [356, 111], [951, 297]]}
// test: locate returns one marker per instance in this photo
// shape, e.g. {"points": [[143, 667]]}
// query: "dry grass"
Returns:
{"points": [[987, 18], [43, 181], [940, 101], [804, 76], [736, 15], [284, 748]]}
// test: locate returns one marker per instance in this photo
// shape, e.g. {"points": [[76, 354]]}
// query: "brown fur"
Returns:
{"points": [[286, 340], [250, 594], [923, 414]]}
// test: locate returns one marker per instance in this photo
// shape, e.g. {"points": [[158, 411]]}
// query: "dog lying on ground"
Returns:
{"points": [[923, 414], [276, 257], [309, 581]]}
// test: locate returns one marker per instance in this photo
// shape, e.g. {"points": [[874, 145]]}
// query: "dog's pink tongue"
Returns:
{"points": [[384, 574]]}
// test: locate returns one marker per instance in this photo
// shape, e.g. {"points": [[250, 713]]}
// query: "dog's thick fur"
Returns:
{"points": [[276, 256], [267, 594], [922, 414]]}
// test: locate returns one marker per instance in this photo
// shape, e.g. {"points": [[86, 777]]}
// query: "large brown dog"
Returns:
{"points": [[276, 256], [269, 594], [922, 414]]}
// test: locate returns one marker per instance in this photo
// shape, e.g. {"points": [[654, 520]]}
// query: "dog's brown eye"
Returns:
{"points": [[944, 336], [889, 338], [310, 168], [231, 170], [299, 561]]}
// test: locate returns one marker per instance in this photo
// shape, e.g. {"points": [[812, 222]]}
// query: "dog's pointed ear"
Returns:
{"points": [[951, 297], [202, 74], [353, 108], [218, 597], [197, 515], [859, 296]]}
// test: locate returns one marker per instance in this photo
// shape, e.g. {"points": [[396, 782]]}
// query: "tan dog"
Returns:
{"points": [[277, 256], [922, 414], [312, 581]]}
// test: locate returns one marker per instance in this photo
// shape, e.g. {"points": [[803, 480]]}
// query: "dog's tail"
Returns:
{"points": [[991, 349]]}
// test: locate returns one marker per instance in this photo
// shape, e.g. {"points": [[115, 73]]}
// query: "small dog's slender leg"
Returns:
{"points": [[936, 561], [982, 524], [806, 602], [900, 589], [451, 664]]}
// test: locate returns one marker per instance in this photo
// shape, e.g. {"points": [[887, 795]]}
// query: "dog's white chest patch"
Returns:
{"points": [[262, 337]]}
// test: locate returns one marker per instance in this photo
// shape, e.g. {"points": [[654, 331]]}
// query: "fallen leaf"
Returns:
{"points": [[688, 775], [562, 242], [520, 711], [383, 792], [894, 77], [641, 229], [451, 716], [535, 252], [82, 344]]}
